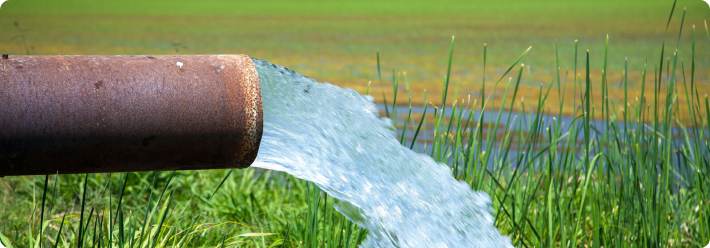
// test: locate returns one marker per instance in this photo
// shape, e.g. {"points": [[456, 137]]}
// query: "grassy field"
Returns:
{"points": [[627, 187], [253, 208], [336, 41]]}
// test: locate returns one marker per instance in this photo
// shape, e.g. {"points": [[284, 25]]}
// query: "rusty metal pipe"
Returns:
{"points": [[92, 114]]}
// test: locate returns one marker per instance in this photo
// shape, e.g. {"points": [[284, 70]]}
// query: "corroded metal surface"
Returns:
{"points": [[90, 114]]}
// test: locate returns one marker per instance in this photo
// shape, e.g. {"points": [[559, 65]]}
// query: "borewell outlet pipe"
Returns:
{"points": [[93, 114]]}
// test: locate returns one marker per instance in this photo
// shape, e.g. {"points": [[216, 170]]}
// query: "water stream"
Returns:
{"points": [[334, 138]]}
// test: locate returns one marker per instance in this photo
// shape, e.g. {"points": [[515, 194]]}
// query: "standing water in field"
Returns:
{"points": [[334, 138]]}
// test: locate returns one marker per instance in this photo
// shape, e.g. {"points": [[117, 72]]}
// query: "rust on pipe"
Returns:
{"points": [[93, 114]]}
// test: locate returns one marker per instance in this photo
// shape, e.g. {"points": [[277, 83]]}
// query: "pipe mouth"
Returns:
{"points": [[91, 114]]}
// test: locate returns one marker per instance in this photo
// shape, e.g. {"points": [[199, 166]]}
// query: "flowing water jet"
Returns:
{"points": [[333, 137]]}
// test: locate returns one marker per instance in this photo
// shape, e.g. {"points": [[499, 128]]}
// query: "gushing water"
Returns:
{"points": [[333, 137]]}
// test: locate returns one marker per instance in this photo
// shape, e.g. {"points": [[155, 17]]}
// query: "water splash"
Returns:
{"points": [[333, 137]]}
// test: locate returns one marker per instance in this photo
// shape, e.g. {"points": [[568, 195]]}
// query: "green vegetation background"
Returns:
{"points": [[336, 41]]}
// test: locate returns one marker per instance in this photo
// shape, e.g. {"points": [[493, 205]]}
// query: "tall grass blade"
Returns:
{"points": [[41, 215], [379, 76], [59, 232], [80, 240]]}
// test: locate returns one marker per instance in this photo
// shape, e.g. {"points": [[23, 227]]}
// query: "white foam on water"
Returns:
{"points": [[334, 138]]}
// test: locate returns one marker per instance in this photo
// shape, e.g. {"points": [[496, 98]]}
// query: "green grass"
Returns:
{"points": [[624, 187], [249, 208]]}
